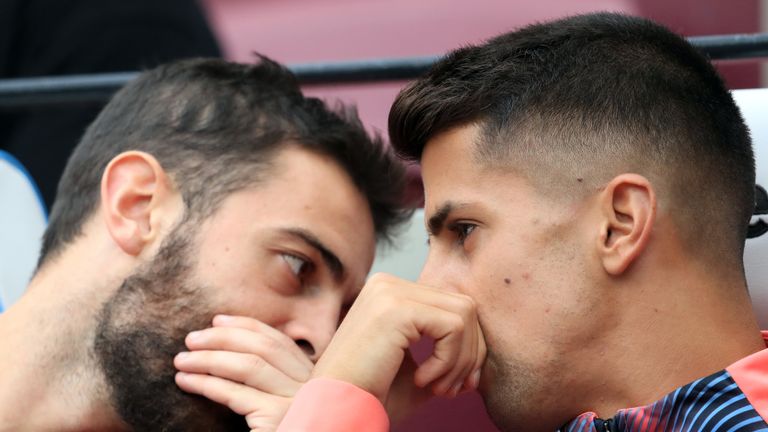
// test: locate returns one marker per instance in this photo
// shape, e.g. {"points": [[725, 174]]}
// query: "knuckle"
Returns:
{"points": [[378, 277], [467, 307], [482, 352], [262, 421], [389, 304], [456, 324], [219, 337], [205, 358], [255, 364], [271, 344], [467, 303], [379, 282], [390, 307], [237, 399]]}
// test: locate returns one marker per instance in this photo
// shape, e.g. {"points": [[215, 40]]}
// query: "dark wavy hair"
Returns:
{"points": [[215, 126]]}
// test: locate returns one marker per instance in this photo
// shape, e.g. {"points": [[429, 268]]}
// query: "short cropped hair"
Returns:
{"points": [[571, 103], [215, 127]]}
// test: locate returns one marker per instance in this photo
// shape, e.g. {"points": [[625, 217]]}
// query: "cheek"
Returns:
{"points": [[264, 305], [522, 309], [255, 288], [541, 318], [224, 265], [534, 304]]}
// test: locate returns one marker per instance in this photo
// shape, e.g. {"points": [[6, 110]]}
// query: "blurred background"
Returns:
{"points": [[302, 31], [61, 37]]}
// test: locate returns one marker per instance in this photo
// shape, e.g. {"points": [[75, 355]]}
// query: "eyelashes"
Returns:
{"points": [[462, 230]]}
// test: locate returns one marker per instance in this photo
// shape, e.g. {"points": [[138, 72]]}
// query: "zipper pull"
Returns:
{"points": [[605, 425], [609, 426]]}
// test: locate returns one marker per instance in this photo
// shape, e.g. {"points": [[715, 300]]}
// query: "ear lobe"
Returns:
{"points": [[132, 187], [629, 210]]}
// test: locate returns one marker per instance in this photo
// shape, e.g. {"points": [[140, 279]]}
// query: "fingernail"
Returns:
{"points": [[195, 335], [455, 389], [181, 376], [476, 379], [182, 355], [223, 318]]}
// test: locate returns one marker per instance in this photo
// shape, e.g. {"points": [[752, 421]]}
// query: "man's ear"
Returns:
{"points": [[628, 210], [133, 188]]}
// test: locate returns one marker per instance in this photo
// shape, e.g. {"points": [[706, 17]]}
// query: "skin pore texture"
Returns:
{"points": [[573, 296], [92, 343]]}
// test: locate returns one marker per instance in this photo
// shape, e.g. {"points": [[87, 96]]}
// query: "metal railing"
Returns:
{"points": [[57, 90]]}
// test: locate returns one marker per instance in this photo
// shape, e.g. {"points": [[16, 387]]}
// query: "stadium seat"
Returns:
{"points": [[754, 108], [22, 222]]}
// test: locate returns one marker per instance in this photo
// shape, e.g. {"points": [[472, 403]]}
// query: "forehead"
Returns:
{"points": [[452, 150], [448, 165], [453, 175], [310, 192]]}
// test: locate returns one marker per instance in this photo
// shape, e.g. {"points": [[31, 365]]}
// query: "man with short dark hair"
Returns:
{"points": [[567, 167], [203, 188]]}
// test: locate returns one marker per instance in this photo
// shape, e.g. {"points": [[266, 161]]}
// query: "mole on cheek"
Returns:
{"points": [[507, 281]]}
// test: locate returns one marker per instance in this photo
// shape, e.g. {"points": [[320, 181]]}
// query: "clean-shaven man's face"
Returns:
{"points": [[521, 257]]}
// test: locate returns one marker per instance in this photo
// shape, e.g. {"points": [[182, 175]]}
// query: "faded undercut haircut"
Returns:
{"points": [[570, 104], [215, 127]]}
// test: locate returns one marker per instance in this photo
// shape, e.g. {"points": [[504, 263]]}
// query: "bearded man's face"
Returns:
{"points": [[292, 252]]}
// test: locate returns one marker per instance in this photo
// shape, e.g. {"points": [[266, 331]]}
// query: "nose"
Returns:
{"points": [[313, 324], [440, 271]]}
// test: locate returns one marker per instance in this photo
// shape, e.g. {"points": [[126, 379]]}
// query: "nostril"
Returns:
{"points": [[307, 347]]}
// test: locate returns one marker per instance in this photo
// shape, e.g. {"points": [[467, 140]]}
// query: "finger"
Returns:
{"points": [[258, 327], [296, 366], [451, 383], [472, 382], [449, 318], [247, 369], [416, 292], [455, 354], [387, 317], [268, 331], [482, 352], [239, 398], [448, 331], [455, 381]]}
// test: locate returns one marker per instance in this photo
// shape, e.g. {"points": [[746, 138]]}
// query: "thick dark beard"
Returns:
{"points": [[141, 328]]}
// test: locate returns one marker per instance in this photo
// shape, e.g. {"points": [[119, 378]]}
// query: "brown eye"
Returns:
{"points": [[462, 230]]}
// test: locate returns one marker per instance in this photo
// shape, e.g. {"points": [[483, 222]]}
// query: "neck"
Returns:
{"points": [[49, 377], [668, 335]]}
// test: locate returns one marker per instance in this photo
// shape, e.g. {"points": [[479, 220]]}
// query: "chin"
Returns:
{"points": [[510, 390]]}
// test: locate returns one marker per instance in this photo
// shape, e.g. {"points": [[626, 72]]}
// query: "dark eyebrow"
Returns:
{"points": [[437, 220], [331, 260]]}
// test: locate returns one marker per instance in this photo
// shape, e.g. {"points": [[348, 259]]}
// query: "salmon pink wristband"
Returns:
{"points": [[325, 405]]}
